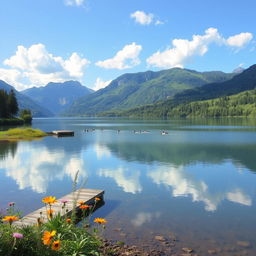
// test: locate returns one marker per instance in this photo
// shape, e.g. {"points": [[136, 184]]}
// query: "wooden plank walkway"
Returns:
{"points": [[86, 195], [62, 133]]}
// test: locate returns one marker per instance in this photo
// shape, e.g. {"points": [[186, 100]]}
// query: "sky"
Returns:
{"points": [[95, 41]]}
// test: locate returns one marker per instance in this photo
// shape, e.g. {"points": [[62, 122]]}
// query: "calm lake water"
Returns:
{"points": [[197, 182]]}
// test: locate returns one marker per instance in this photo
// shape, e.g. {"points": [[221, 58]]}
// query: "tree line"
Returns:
{"points": [[8, 104]]}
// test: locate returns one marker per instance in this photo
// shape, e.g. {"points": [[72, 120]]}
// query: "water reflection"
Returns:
{"points": [[127, 179], [34, 167], [6, 148], [144, 217], [185, 184]]}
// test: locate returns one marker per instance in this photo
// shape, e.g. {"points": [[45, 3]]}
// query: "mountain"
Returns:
{"points": [[57, 96], [193, 102], [136, 89], [238, 70], [25, 102], [239, 83]]}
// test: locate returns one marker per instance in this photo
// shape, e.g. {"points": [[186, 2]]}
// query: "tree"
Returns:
{"points": [[12, 104], [3, 104], [26, 115]]}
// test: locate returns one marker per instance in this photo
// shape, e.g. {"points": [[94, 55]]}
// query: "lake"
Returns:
{"points": [[197, 183]]}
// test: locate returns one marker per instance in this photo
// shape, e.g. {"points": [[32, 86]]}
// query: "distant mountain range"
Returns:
{"points": [[131, 90], [57, 96], [25, 102], [194, 102]]}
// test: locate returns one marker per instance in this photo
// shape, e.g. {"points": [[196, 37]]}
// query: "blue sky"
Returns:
{"points": [[95, 41]]}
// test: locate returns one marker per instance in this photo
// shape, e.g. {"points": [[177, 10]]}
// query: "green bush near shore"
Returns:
{"points": [[20, 133]]}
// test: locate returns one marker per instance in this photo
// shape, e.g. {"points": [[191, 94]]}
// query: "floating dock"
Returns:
{"points": [[86, 195], [62, 133]]}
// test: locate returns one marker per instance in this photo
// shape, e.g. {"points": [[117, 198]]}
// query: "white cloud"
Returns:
{"points": [[159, 22], [183, 50], [38, 67], [142, 18], [145, 19], [128, 180], [125, 58], [74, 2], [239, 40], [99, 84]]}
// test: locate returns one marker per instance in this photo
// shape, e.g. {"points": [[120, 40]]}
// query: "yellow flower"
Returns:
{"points": [[56, 245], [11, 219], [47, 237], [100, 221], [81, 202], [49, 200]]}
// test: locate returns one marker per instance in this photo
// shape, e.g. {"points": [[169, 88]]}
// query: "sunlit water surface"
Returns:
{"points": [[197, 182]]}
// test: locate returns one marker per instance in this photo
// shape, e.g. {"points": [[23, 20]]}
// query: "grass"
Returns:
{"points": [[21, 134]]}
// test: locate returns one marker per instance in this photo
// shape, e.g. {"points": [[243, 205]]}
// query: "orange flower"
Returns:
{"points": [[56, 245], [47, 237], [11, 219], [68, 220], [100, 221], [97, 199], [81, 202], [50, 212], [84, 206], [49, 200]]}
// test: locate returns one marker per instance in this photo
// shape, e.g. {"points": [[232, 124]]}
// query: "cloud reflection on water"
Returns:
{"points": [[127, 179], [184, 184], [36, 168]]}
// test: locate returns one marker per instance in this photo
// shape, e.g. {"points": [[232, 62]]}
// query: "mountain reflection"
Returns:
{"points": [[185, 153], [184, 184]]}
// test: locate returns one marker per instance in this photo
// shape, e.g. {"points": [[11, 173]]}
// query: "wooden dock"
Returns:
{"points": [[62, 133], [86, 195]]}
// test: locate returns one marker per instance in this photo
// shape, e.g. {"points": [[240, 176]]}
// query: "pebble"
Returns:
{"points": [[187, 250], [160, 238], [212, 251], [243, 243]]}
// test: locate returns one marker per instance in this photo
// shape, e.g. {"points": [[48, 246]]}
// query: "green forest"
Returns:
{"points": [[9, 110], [238, 105], [8, 104]]}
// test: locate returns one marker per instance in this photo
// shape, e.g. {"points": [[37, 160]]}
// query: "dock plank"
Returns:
{"points": [[86, 195]]}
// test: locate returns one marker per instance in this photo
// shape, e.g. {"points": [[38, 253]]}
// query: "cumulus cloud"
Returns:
{"points": [[239, 40], [142, 18], [99, 84], [38, 67], [74, 2], [125, 58], [145, 19], [183, 50]]}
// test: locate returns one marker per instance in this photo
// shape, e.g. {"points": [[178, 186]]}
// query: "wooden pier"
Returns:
{"points": [[62, 133], [86, 195]]}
